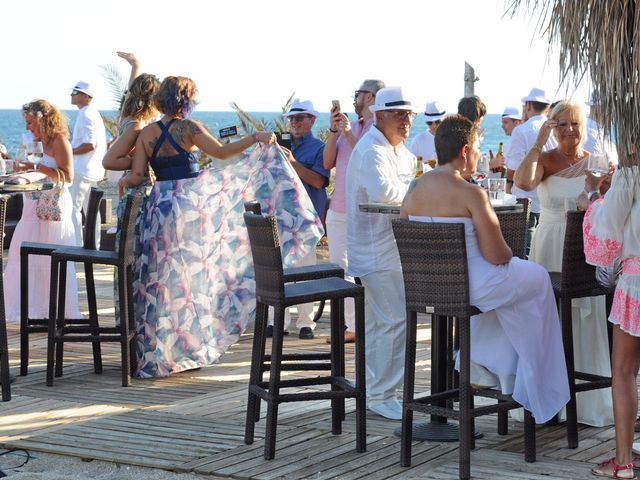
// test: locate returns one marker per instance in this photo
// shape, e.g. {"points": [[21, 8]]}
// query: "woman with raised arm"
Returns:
{"points": [[516, 344], [49, 126], [559, 176], [175, 311]]}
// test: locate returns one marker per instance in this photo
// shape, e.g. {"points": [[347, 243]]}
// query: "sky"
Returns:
{"points": [[258, 53]]}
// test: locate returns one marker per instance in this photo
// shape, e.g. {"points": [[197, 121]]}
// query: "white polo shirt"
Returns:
{"points": [[523, 138], [375, 173], [89, 128]]}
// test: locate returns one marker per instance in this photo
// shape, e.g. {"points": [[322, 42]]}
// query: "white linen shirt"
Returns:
{"points": [[89, 128], [522, 139], [376, 173], [424, 144]]}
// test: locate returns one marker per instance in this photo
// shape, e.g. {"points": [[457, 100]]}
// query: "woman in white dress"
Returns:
{"points": [[559, 176], [517, 343], [48, 125]]}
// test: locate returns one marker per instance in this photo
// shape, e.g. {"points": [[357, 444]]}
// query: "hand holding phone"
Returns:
{"points": [[335, 106]]}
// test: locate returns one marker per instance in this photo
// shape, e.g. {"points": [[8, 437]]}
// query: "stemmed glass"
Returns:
{"points": [[21, 156], [482, 169], [598, 166], [37, 153]]}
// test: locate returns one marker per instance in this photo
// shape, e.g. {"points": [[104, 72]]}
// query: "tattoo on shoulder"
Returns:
{"points": [[412, 185]]}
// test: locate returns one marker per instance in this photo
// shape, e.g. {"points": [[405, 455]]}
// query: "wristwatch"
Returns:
{"points": [[592, 194]]}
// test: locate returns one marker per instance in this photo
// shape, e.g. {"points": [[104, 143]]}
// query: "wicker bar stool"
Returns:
{"points": [[577, 280], [271, 290], [59, 328], [5, 377], [39, 325], [436, 281]]}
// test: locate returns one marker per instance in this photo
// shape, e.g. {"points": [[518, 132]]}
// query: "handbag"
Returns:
{"points": [[607, 277], [48, 207]]}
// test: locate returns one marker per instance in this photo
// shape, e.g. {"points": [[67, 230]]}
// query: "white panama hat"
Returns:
{"points": [[390, 98], [83, 87], [512, 112], [537, 95], [301, 107], [434, 112]]}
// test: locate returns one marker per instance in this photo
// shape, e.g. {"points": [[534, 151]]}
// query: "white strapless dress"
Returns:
{"points": [[31, 229], [519, 335]]}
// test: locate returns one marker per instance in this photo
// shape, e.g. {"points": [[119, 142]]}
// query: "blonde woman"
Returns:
{"points": [[49, 126]]}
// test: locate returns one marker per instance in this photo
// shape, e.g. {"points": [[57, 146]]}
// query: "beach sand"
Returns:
{"points": [[45, 466]]}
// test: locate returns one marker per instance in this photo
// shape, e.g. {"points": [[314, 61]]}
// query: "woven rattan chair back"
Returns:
{"points": [[513, 224], [127, 228], [267, 257], [4, 348], [89, 234], [434, 266], [578, 277]]}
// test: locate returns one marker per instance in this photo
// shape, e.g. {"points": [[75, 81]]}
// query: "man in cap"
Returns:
{"points": [[511, 118], [424, 145], [380, 169], [523, 137], [89, 144], [343, 136], [305, 157]]}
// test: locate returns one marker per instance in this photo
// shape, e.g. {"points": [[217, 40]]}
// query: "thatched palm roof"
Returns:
{"points": [[599, 39]]}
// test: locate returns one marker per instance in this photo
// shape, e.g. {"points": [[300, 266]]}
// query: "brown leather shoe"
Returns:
{"points": [[349, 337]]}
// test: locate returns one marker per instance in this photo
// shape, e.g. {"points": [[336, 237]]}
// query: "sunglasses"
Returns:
{"points": [[402, 114], [358, 92], [299, 118], [437, 122], [75, 92]]}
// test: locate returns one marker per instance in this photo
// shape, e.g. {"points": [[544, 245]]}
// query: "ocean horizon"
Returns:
{"points": [[12, 125]]}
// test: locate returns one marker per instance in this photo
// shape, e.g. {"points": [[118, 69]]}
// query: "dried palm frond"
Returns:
{"points": [[249, 124], [599, 39]]}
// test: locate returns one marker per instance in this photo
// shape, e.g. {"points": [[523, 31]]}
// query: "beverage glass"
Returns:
{"points": [[38, 153], [598, 165], [497, 188], [482, 169], [432, 162], [21, 156]]}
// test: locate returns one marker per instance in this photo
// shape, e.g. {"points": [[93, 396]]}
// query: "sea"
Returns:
{"points": [[12, 125]]}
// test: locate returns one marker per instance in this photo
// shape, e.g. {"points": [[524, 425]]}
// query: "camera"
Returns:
{"points": [[284, 139]]}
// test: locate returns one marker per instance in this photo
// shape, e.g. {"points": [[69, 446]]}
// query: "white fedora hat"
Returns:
{"points": [[512, 112], [537, 95], [83, 87], [434, 112], [390, 98], [301, 107]]}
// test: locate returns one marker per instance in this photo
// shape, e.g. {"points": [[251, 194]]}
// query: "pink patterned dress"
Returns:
{"points": [[612, 230]]}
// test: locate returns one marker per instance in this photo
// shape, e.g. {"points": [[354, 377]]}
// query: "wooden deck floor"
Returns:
{"points": [[194, 422]]}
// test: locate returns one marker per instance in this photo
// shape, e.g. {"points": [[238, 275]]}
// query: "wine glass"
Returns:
{"points": [[21, 156], [598, 166], [37, 153], [482, 169]]}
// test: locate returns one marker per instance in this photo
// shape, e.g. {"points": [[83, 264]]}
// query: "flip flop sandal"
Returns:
{"points": [[615, 468]]}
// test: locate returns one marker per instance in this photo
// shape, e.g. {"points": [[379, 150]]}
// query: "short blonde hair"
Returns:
{"points": [[51, 120], [577, 112]]}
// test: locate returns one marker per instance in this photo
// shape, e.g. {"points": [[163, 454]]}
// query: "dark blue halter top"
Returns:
{"points": [[173, 167]]}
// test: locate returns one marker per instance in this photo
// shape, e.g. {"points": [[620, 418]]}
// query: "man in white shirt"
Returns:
{"points": [[523, 137], [380, 170], [511, 118], [596, 142], [89, 144], [424, 145]]}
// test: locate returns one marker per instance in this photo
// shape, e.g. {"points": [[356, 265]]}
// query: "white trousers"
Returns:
{"points": [[385, 328], [337, 237], [305, 310], [80, 189]]}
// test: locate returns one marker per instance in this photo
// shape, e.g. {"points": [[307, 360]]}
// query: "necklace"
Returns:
{"points": [[576, 157]]}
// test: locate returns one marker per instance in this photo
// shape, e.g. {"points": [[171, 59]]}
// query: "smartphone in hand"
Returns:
{"points": [[335, 106], [284, 139]]}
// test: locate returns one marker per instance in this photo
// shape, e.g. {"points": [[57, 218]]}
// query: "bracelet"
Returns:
{"points": [[333, 131], [536, 147], [592, 194], [509, 181]]}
